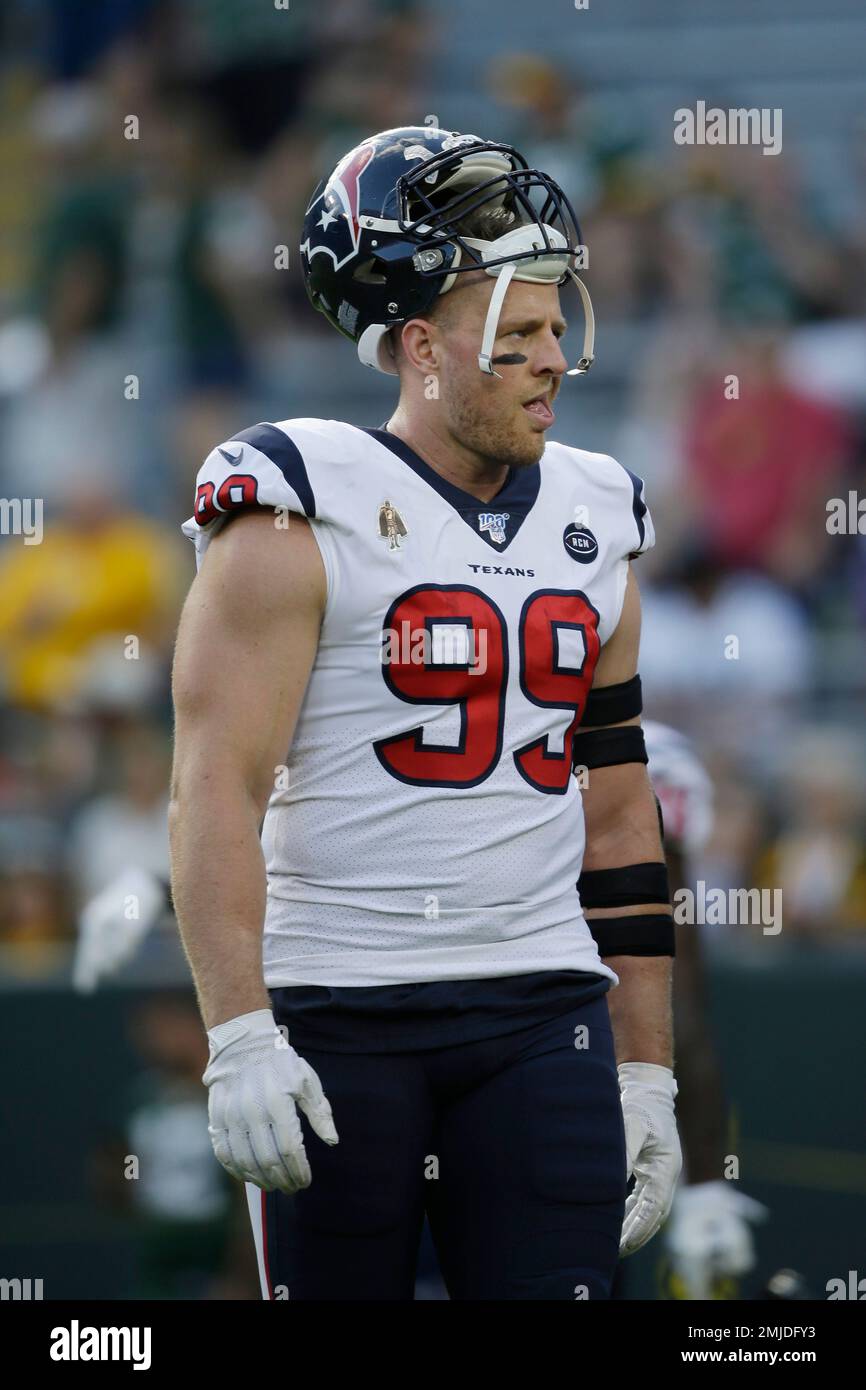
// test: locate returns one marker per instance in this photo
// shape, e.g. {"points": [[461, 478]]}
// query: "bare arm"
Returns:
{"points": [[622, 828], [245, 648]]}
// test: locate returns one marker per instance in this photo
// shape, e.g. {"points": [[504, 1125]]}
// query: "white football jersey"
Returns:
{"points": [[428, 825]]}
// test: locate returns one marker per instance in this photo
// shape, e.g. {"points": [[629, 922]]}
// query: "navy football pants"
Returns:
{"points": [[513, 1145]]}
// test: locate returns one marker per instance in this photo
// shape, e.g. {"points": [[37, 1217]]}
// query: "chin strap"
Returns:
{"points": [[491, 323], [373, 349], [588, 357], [494, 309]]}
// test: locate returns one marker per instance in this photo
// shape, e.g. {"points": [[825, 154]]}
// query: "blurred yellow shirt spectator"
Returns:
{"points": [[92, 577]]}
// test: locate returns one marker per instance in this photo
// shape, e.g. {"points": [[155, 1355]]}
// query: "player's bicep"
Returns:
{"points": [[245, 648], [619, 655], [614, 705], [618, 802]]}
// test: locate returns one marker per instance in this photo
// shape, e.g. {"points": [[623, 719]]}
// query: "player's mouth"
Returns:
{"points": [[539, 409]]}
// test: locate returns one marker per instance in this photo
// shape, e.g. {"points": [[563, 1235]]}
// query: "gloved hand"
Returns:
{"points": [[709, 1235], [255, 1077], [647, 1093]]}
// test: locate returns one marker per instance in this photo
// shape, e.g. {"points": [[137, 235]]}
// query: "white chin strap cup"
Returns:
{"points": [[374, 349]]}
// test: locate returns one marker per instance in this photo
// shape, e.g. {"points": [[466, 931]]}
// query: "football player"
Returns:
{"points": [[397, 667], [708, 1239]]}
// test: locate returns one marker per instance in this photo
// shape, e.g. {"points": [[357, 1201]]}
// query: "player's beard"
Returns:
{"points": [[475, 423]]}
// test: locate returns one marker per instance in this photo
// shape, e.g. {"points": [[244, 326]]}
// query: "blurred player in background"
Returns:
{"points": [[708, 1237], [183, 1210]]}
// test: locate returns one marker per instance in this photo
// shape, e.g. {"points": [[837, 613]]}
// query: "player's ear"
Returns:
{"points": [[418, 345]]}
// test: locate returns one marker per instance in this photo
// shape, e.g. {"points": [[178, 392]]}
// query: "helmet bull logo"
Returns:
{"points": [[341, 230]]}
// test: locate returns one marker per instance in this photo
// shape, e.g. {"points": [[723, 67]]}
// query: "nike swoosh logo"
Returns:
{"points": [[232, 458]]}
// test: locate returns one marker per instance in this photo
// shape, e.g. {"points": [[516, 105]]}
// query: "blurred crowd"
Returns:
{"points": [[156, 154]]}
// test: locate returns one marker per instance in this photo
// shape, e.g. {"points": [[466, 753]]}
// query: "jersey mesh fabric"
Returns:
{"points": [[387, 867]]}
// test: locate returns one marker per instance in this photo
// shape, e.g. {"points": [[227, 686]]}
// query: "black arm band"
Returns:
{"points": [[651, 935], [609, 747], [611, 704], [630, 886]]}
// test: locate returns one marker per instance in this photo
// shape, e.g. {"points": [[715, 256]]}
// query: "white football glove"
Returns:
{"points": [[647, 1093], [255, 1077], [709, 1234], [113, 923]]}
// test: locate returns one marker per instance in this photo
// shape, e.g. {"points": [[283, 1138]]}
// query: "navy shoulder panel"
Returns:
{"points": [[639, 507], [285, 455]]}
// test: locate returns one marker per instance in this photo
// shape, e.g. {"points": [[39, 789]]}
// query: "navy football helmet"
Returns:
{"points": [[382, 234]]}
